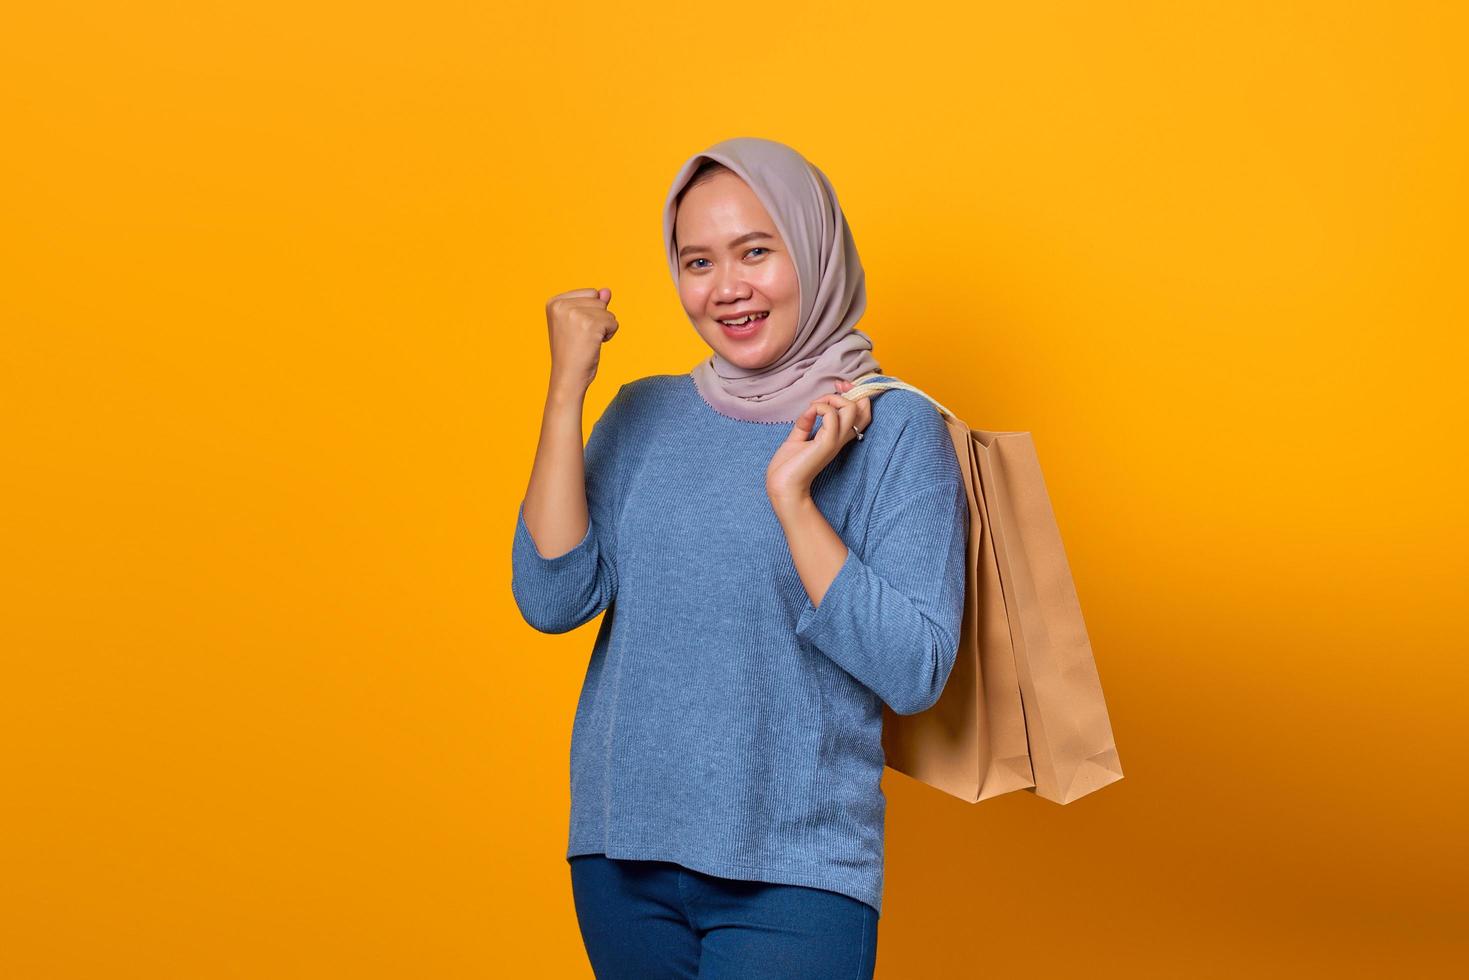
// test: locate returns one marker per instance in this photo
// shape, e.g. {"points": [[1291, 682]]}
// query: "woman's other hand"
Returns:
{"points": [[800, 457], [579, 323]]}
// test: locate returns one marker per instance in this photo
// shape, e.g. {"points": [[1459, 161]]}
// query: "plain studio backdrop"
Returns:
{"points": [[275, 354]]}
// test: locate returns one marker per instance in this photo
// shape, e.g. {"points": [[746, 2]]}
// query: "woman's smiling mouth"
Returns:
{"points": [[743, 326]]}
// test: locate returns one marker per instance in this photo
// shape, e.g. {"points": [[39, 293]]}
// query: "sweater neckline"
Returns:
{"points": [[689, 380]]}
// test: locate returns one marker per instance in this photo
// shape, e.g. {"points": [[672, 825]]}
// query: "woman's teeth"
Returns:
{"points": [[745, 319]]}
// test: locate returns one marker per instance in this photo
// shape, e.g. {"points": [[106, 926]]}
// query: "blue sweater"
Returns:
{"points": [[725, 723]]}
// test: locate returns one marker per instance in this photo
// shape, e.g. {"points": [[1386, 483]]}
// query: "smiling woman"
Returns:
{"points": [[767, 588]]}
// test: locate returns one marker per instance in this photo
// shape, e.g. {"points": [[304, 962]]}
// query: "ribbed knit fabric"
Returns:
{"points": [[725, 723]]}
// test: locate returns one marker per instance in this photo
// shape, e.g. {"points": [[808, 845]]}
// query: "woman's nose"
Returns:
{"points": [[730, 284]]}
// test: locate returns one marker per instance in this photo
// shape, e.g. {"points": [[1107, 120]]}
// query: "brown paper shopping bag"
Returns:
{"points": [[1023, 708]]}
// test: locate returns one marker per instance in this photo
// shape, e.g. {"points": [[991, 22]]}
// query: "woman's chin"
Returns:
{"points": [[758, 352]]}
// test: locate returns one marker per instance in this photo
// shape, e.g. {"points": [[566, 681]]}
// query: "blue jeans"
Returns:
{"points": [[654, 920]]}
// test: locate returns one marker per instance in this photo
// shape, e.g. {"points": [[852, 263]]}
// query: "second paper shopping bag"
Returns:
{"points": [[1023, 707]]}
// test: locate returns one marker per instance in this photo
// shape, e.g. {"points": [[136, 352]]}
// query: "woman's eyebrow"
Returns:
{"points": [[748, 236]]}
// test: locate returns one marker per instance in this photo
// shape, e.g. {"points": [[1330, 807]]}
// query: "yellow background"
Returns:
{"points": [[273, 360]]}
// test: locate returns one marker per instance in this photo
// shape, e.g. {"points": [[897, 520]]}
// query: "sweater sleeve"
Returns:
{"points": [[556, 594], [892, 616]]}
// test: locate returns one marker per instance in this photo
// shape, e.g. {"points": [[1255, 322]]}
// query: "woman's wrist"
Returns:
{"points": [[790, 505], [562, 391]]}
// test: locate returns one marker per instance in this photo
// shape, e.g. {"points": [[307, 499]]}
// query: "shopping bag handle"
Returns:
{"points": [[863, 388]]}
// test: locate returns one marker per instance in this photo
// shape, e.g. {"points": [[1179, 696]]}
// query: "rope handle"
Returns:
{"points": [[863, 388]]}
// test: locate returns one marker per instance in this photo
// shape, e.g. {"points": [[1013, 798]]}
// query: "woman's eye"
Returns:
{"points": [[757, 248]]}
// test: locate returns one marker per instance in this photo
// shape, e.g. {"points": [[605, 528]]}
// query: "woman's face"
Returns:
{"points": [[731, 261]]}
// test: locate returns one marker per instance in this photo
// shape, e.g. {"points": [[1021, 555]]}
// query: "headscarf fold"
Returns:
{"points": [[827, 346]]}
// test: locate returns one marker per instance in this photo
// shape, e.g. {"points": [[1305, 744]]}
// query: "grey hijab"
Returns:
{"points": [[827, 345]]}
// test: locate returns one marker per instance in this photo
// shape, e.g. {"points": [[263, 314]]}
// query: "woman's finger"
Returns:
{"points": [[848, 412], [847, 415], [829, 422], [801, 431]]}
